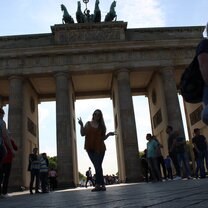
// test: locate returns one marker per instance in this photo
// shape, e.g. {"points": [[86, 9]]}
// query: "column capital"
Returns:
{"points": [[58, 74], [166, 69], [16, 77], [123, 70]]}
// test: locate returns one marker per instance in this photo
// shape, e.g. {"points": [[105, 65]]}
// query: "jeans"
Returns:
{"points": [[34, 174], [200, 163], [97, 160], [182, 158], [161, 161], [4, 177], [44, 181], [153, 163], [174, 158]]}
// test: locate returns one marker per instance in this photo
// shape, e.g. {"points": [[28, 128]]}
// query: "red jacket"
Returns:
{"points": [[9, 156]]}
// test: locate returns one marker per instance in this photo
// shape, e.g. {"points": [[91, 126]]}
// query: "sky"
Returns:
{"points": [[18, 17]]}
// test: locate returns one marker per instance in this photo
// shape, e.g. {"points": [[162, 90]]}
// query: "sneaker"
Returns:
{"points": [[177, 178], [103, 188], [97, 188], [6, 195], [1, 196]]}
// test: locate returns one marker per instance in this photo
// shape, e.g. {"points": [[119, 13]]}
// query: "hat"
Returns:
{"points": [[2, 111]]}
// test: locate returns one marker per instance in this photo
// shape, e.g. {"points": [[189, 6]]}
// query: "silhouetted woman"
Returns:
{"points": [[95, 134]]}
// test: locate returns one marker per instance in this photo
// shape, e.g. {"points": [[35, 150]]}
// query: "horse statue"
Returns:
{"points": [[112, 13], [66, 17], [79, 15], [97, 12]]}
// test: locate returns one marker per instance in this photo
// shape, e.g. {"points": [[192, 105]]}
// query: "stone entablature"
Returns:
{"points": [[48, 53], [96, 59], [165, 33], [139, 34], [25, 41]]}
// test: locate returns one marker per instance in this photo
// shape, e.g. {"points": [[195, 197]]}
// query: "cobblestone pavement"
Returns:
{"points": [[168, 194]]}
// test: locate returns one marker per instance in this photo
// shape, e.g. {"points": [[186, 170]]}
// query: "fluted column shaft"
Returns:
{"points": [[174, 116], [15, 125], [64, 131], [127, 128]]}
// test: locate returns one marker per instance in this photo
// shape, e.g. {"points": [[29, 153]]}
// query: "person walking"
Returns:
{"points": [[6, 167], [89, 177], [34, 168], [95, 135]]}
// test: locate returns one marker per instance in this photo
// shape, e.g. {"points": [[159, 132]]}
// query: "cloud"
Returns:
{"points": [[43, 113], [141, 13]]}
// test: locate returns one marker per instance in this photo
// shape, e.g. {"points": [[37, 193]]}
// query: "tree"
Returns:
{"points": [[53, 162]]}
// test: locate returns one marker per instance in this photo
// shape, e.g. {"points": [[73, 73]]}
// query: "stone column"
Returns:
{"points": [[64, 131], [174, 117], [15, 125], [127, 127]]}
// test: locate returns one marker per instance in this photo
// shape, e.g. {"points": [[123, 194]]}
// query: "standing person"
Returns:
{"points": [[180, 144], [34, 168], [145, 166], [89, 177], [6, 167], [95, 134], [44, 172], [198, 165], [200, 147], [202, 55], [160, 158], [4, 139], [172, 150], [152, 147], [52, 179], [168, 164]]}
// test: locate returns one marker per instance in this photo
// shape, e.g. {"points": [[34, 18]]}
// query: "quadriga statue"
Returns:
{"points": [[112, 13], [97, 12], [81, 18], [66, 17]]}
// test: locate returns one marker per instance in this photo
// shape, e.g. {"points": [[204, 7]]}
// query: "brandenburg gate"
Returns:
{"points": [[94, 60]]}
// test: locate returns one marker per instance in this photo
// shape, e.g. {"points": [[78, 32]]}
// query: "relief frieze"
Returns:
{"points": [[92, 58], [63, 37]]}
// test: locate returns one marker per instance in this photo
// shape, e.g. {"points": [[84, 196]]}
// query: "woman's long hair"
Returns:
{"points": [[101, 123]]}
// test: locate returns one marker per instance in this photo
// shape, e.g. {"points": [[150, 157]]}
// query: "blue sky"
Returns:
{"points": [[36, 16]]}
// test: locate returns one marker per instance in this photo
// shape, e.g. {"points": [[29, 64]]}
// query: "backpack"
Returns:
{"points": [[87, 173], [191, 83]]}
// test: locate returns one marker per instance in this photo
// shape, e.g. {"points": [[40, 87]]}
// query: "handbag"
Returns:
{"points": [[191, 83]]}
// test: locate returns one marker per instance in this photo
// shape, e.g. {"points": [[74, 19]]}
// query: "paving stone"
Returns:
{"points": [[168, 194]]}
